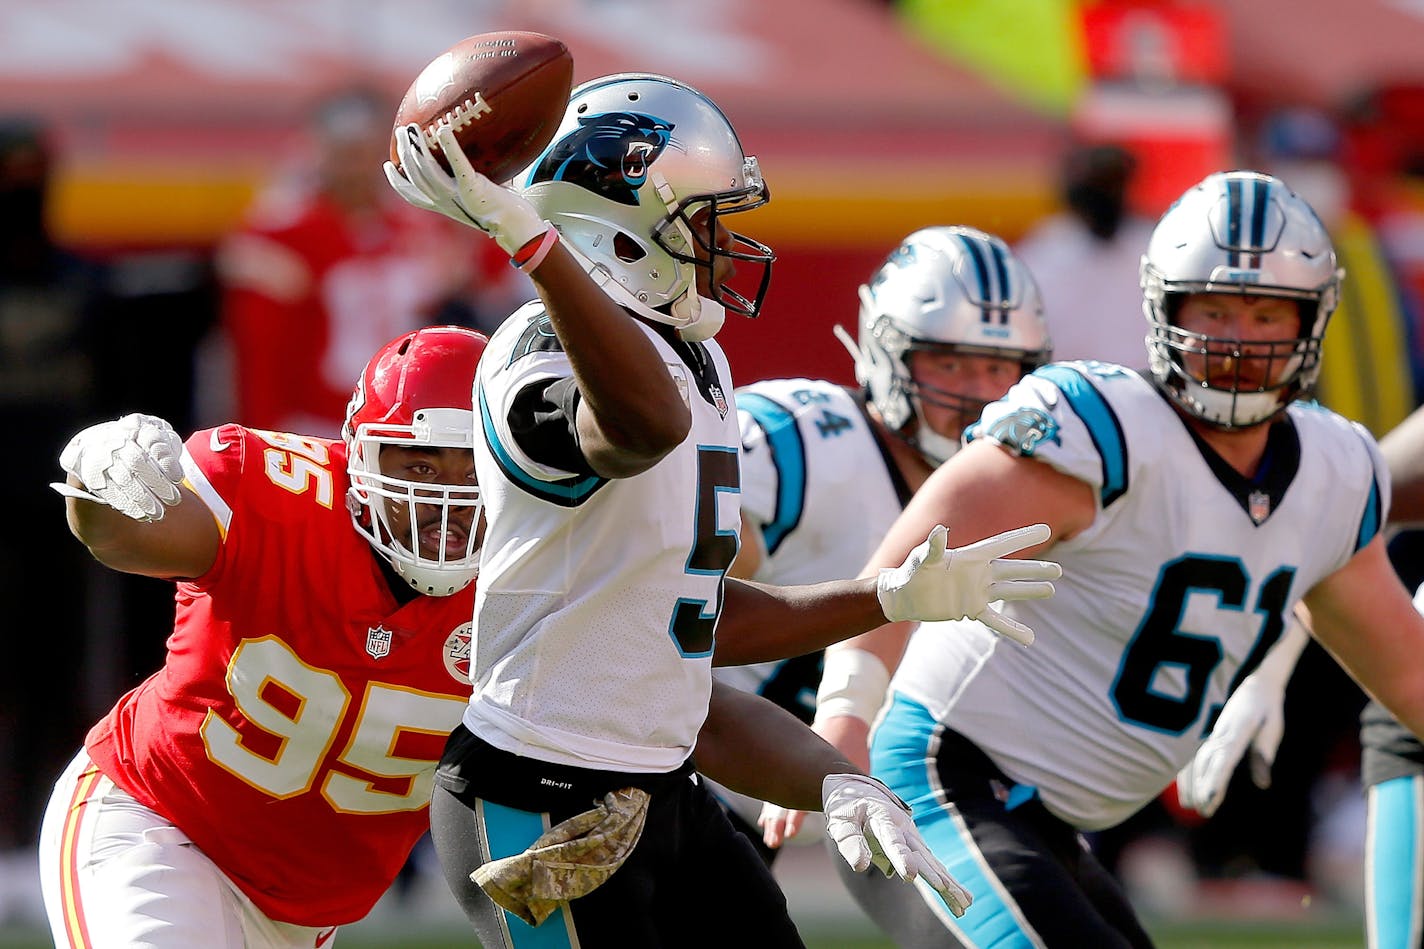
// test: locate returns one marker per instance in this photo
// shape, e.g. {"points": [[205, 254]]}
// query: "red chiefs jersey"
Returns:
{"points": [[293, 730]]}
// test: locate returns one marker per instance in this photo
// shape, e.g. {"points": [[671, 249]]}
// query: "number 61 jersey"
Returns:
{"points": [[293, 731], [1167, 601]]}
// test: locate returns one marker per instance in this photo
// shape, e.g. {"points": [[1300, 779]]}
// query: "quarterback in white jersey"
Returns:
{"points": [[576, 606], [1192, 510], [947, 323], [608, 436]]}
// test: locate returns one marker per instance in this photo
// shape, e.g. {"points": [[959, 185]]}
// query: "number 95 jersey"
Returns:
{"points": [[293, 730], [1168, 599]]}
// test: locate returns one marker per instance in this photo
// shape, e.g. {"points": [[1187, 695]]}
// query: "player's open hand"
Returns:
{"points": [[872, 827], [938, 582]]}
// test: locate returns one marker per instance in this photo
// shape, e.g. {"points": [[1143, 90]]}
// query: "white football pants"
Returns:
{"points": [[115, 874]]}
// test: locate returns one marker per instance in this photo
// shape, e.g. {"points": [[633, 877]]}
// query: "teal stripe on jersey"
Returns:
{"points": [[1103, 427], [788, 455], [1370, 520], [510, 831], [900, 756], [1394, 853], [570, 492]]}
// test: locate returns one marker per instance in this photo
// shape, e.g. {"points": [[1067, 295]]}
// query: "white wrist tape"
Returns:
{"points": [[853, 683]]}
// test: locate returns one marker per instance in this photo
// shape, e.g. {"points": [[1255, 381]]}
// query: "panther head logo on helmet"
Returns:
{"points": [[608, 154], [636, 179]]}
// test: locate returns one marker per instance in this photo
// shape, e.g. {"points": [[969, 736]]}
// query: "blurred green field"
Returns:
{"points": [[1205, 934]]}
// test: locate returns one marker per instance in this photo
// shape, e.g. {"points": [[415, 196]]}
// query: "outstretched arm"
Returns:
{"points": [[1364, 616], [936, 582]]}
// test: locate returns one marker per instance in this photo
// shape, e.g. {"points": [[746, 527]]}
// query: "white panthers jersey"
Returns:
{"points": [[1166, 602], [598, 599], [824, 492]]}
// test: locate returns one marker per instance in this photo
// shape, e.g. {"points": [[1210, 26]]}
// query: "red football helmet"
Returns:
{"points": [[417, 390]]}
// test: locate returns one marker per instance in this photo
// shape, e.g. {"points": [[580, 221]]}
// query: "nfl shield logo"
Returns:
{"points": [[378, 642], [1258, 505], [718, 399]]}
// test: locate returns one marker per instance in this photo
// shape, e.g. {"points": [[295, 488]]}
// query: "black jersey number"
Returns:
{"points": [[1160, 641], [695, 621]]}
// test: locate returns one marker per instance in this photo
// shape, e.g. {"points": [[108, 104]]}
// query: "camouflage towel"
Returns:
{"points": [[571, 859]]}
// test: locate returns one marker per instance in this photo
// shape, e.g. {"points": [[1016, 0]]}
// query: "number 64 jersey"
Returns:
{"points": [[1167, 601]]}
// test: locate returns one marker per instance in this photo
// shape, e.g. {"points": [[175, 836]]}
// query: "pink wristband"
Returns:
{"points": [[533, 253]]}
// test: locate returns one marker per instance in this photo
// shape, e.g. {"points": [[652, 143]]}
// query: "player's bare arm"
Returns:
{"points": [[183, 545], [756, 747], [1363, 615], [630, 414], [761, 623]]}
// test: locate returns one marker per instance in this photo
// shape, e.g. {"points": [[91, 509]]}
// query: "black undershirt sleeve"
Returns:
{"points": [[541, 419]]}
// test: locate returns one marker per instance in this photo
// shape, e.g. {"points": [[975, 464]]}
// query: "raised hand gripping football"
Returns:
{"points": [[938, 582], [872, 827], [467, 196], [132, 464]]}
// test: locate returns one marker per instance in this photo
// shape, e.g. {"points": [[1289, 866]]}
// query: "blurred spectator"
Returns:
{"points": [[1384, 155], [1365, 373], [1086, 259], [47, 314], [330, 263]]}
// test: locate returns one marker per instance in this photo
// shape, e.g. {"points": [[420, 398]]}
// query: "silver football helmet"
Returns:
{"points": [[1246, 233], [636, 157], [953, 289]]}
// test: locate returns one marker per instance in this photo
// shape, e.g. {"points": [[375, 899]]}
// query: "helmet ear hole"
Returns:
{"points": [[627, 249]]}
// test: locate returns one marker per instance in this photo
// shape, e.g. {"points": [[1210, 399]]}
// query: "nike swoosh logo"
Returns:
{"points": [[217, 444], [323, 938]]}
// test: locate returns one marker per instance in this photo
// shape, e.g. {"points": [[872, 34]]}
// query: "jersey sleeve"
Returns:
{"points": [[212, 468], [760, 478], [523, 354], [1059, 415], [1377, 501]]}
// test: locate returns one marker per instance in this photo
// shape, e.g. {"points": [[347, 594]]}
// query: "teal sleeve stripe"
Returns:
{"points": [[1370, 521], [788, 455], [571, 492], [1103, 427]]}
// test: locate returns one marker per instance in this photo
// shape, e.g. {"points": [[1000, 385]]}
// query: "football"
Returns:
{"points": [[504, 93]]}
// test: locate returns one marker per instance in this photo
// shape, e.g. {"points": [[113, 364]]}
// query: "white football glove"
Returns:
{"points": [[132, 464], [468, 197], [1252, 723], [872, 827], [938, 583]]}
